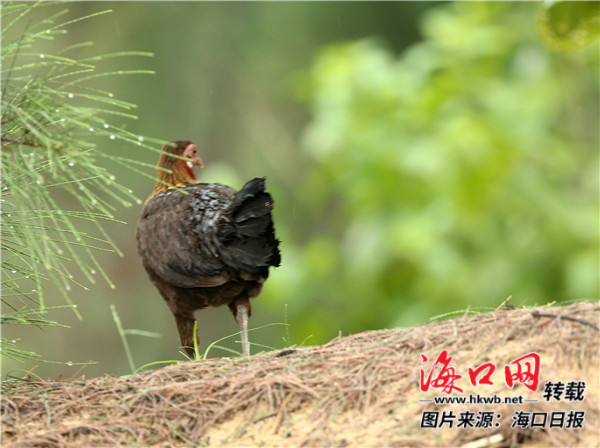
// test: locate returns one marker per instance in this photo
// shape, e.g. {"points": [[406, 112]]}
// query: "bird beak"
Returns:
{"points": [[195, 161]]}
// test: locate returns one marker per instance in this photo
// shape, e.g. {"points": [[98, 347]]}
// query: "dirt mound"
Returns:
{"points": [[361, 390]]}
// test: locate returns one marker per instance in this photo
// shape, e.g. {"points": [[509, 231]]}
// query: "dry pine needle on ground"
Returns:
{"points": [[360, 390]]}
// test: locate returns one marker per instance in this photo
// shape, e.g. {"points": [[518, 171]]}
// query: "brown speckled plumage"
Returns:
{"points": [[205, 244]]}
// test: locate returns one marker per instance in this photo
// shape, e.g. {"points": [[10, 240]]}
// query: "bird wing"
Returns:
{"points": [[176, 236], [209, 236]]}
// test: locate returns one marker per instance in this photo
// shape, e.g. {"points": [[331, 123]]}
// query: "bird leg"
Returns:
{"points": [[185, 326], [241, 310], [242, 318]]}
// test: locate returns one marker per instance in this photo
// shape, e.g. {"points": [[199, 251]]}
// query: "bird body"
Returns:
{"points": [[205, 244]]}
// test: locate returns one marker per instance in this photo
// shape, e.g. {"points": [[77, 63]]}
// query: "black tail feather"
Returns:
{"points": [[256, 185], [247, 230]]}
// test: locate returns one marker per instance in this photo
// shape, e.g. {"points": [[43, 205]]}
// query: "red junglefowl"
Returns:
{"points": [[205, 244]]}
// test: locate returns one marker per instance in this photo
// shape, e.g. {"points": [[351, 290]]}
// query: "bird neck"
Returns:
{"points": [[178, 176]]}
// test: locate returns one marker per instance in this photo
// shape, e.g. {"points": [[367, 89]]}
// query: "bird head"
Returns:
{"points": [[177, 162]]}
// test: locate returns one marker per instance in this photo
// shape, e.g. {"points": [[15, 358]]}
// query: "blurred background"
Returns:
{"points": [[424, 157]]}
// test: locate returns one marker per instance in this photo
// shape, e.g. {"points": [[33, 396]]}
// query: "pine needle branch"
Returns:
{"points": [[50, 111]]}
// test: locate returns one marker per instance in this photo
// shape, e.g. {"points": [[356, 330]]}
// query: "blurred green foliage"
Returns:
{"points": [[416, 172], [569, 25], [455, 175]]}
